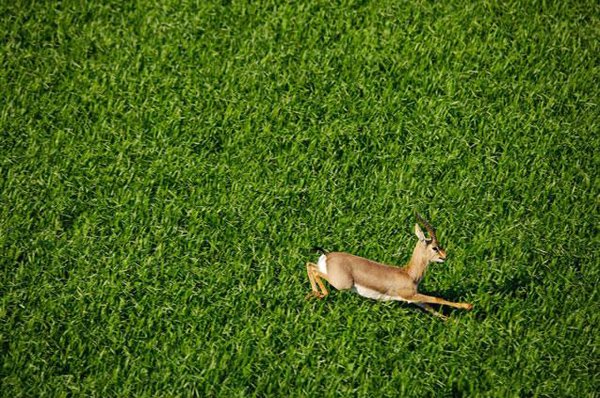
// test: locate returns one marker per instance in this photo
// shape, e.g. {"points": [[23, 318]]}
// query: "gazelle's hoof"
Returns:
{"points": [[314, 295], [442, 317], [468, 306]]}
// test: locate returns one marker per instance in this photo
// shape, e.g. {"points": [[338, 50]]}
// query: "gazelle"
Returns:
{"points": [[380, 281]]}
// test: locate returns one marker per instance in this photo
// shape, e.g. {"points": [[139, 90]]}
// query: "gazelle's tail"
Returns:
{"points": [[320, 250]]}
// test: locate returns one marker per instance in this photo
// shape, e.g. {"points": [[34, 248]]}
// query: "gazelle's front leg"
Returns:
{"points": [[429, 309], [422, 298], [314, 276]]}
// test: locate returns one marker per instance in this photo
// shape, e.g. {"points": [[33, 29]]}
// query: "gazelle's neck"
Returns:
{"points": [[417, 265]]}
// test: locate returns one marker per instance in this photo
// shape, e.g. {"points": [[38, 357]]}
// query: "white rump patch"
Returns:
{"points": [[322, 264], [374, 294]]}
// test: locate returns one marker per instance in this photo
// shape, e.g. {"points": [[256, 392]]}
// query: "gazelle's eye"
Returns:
{"points": [[437, 249]]}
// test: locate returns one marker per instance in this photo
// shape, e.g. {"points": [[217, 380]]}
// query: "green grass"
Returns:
{"points": [[165, 168]]}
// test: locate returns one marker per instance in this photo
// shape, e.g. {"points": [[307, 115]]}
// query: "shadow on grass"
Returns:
{"points": [[515, 287]]}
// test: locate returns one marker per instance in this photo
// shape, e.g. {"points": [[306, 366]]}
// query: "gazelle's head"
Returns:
{"points": [[428, 248]]}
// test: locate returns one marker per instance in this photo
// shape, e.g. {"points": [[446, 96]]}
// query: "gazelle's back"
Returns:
{"points": [[347, 271]]}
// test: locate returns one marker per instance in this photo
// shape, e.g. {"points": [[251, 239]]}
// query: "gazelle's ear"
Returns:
{"points": [[419, 233]]}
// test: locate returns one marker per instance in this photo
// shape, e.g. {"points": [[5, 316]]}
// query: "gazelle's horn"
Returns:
{"points": [[428, 227]]}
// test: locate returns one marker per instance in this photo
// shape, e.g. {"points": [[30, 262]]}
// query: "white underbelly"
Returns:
{"points": [[374, 294]]}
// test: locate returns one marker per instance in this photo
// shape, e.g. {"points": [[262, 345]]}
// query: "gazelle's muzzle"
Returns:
{"points": [[442, 256]]}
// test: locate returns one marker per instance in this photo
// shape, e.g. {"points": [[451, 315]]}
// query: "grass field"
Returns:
{"points": [[165, 168]]}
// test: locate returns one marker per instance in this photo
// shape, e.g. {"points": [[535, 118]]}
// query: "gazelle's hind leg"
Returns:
{"points": [[314, 276], [311, 278]]}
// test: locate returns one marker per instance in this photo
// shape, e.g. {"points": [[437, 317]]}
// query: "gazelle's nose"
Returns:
{"points": [[443, 254]]}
